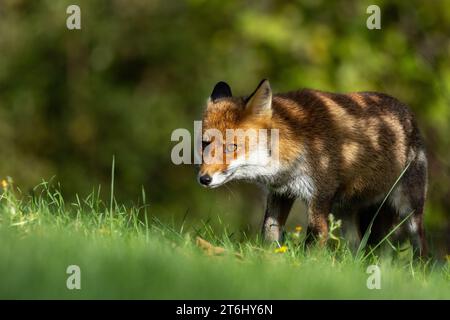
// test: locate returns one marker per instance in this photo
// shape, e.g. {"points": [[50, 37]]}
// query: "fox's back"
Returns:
{"points": [[357, 142]]}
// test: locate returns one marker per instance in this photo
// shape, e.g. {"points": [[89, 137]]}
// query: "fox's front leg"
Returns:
{"points": [[277, 211]]}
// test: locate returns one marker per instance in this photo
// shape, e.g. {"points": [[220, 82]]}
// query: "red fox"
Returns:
{"points": [[339, 153]]}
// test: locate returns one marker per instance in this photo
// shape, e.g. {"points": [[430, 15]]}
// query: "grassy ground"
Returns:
{"points": [[123, 255]]}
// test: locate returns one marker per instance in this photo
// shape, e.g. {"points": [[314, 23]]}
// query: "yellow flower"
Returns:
{"points": [[4, 184], [298, 228], [281, 249], [447, 257]]}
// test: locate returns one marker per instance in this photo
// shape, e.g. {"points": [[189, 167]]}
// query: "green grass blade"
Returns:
{"points": [[387, 236]]}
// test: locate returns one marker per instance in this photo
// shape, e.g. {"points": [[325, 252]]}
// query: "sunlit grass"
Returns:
{"points": [[124, 252]]}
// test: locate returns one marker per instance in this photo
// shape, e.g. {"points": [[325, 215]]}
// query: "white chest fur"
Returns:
{"points": [[295, 182]]}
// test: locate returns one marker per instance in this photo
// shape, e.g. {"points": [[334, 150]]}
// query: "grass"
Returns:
{"points": [[125, 253]]}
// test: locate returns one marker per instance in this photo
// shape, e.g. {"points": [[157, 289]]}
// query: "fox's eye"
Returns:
{"points": [[232, 147], [205, 144]]}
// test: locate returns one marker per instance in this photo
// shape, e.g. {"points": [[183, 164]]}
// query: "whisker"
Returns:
{"points": [[231, 191]]}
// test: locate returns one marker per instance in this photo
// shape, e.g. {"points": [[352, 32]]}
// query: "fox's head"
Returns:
{"points": [[237, 136]]}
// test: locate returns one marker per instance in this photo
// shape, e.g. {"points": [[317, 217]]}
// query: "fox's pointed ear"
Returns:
{"points": [[260, 101], [221, 90]]}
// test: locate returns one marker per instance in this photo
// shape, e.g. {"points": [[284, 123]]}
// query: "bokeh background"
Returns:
{"points": [[70, 100]]}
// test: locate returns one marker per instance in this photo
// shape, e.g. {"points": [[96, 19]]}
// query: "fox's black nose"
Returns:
{"points": [[205, 179]]}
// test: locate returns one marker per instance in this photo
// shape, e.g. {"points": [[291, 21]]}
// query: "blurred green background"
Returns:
{"points": [[70, 100]]}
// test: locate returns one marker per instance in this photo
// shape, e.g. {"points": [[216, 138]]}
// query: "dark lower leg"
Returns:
{"points": [[422, 239], [277, 211], [317, 224]]}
